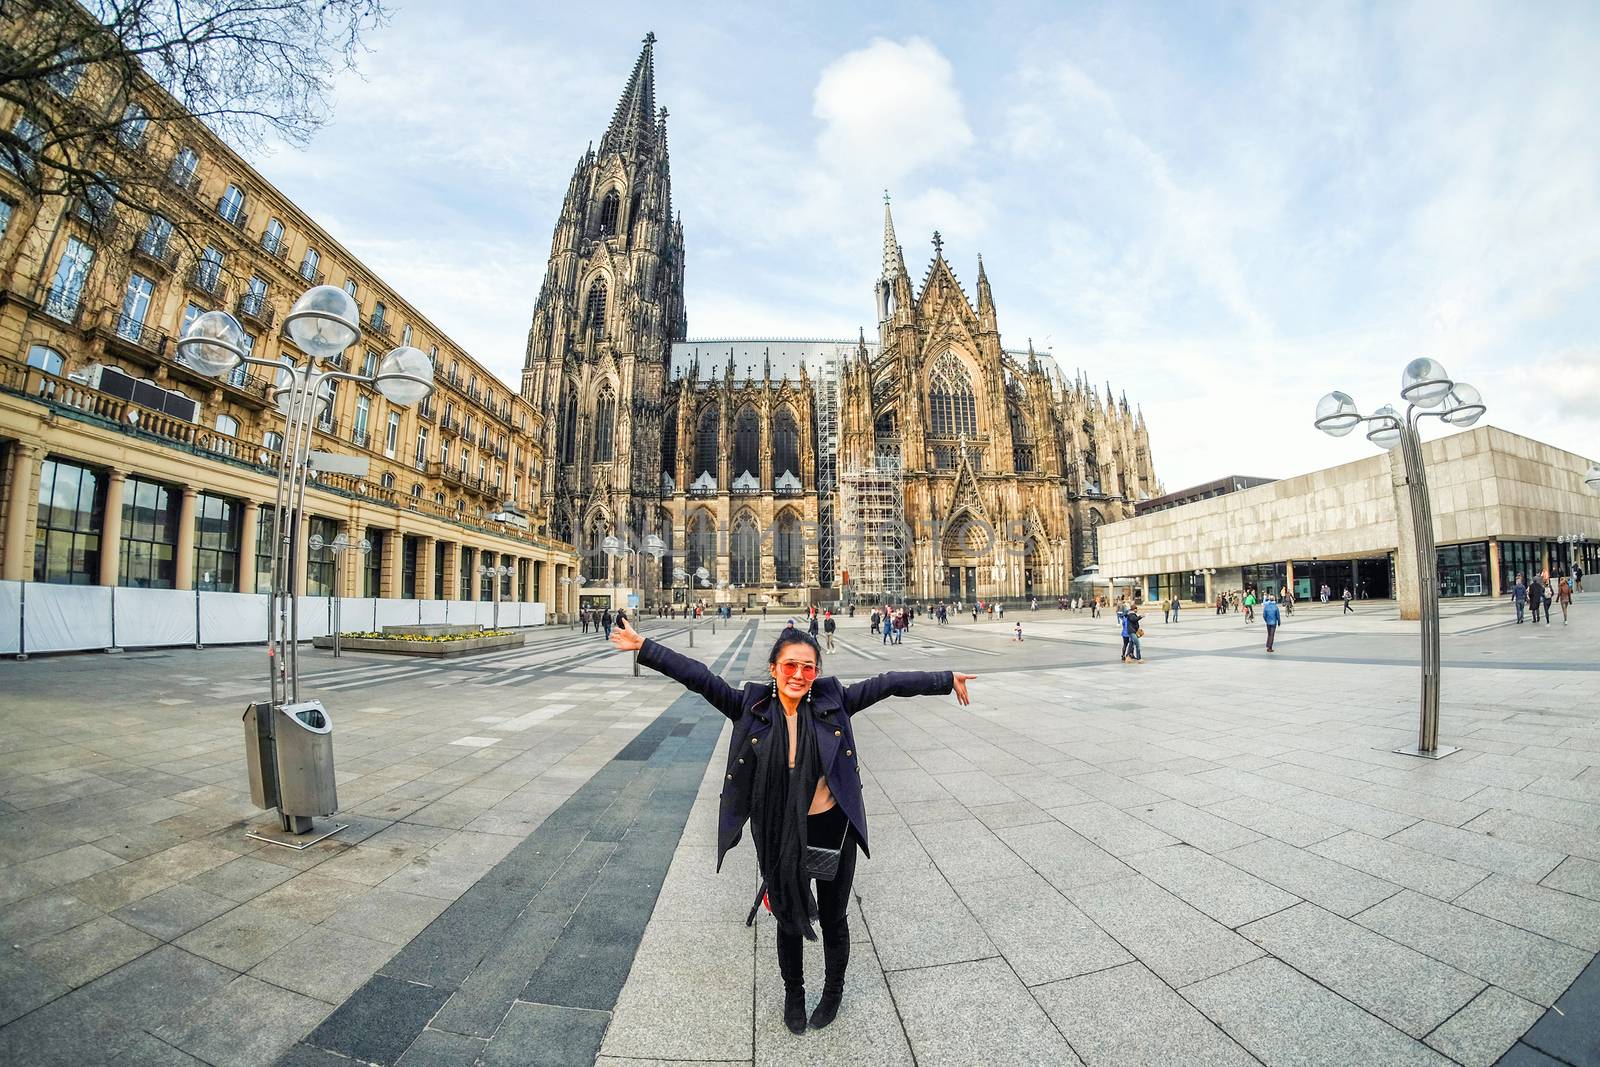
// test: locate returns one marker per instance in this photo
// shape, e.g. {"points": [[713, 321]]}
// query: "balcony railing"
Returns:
{"points": [[63, 304], [138, 333], [310, 275], [449, 424], [156, 252], [274, 246], [254, 306], [426, 411], [380, 327], [206, 278], [361, 439], [185, 183]]}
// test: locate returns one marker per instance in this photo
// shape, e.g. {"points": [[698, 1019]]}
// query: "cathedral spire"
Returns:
{"points": [[891, 247], [635, 117]]}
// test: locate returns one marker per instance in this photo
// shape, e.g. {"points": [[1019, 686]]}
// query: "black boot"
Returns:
{"points": [[836, 957], [791, 965]]}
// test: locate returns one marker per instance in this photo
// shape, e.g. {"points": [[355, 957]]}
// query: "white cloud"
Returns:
{"points": [[889, 109]]}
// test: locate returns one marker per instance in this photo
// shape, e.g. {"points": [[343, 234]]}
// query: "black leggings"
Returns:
{"points": [[833, 905]]}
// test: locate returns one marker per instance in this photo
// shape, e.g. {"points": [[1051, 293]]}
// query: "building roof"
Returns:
{"points": [[1230, 484]]}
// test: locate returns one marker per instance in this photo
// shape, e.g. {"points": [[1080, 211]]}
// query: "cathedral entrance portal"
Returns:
{"points": [[966, 547]]}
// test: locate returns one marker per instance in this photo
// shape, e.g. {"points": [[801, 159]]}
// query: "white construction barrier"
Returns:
{"points": [[42, 617]]}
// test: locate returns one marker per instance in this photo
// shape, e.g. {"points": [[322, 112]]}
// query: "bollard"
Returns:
{"points": [[691, 635], [636, 663]]}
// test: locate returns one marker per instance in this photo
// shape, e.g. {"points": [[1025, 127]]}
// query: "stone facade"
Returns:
{"points": [[740, 454]]}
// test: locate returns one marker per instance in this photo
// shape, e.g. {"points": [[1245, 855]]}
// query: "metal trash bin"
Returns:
{"points": [[259, 757], [303, 747]]}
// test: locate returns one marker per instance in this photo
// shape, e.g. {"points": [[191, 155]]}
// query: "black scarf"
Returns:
{"points": [[780, 804]]}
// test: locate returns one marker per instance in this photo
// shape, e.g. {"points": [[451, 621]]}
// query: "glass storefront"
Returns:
{"points": [[1464, 569], [1518, 557]]}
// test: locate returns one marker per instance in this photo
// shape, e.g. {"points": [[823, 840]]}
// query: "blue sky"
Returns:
{"points": [[1224, 209]]}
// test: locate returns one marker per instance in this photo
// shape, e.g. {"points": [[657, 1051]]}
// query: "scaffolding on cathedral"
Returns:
{"points": [[827, 470], [872, 503]]}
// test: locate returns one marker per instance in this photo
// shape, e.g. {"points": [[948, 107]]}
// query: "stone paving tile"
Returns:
{"points": [[1272, 819], [1218, 889], [1479, 849], [1171, 938], [478, 1005], [244, 1024], [1575, 875], [242, 879], [25, 984], [1331, 885], [378, 1022], [1539, 833], [77, 956], [1568, 1032], [1112, 830], [173, 911], [113, 888], [71, 864], [1014, 813], [1561, 916], [1381, 858], [930, 935], [311, 896], [41, 915], [1063, 857], [1533, 967], [1283, 1017], [1190, 825], [542, 1035], [977, 1012], [434, 1048], [326, 964], [1042, 936], [241, 938], [1127, 1017], [387, 915], [1400, 986], [687, 995], [1480, 1033], [967, 851]]}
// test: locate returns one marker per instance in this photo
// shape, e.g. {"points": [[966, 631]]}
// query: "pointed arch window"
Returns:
{"points": [[788, 549], [596, 564], [1022, 451], [746, 444], [785, 446], [702, 546], [707, 444], [744, 552], [1095, 520], [605, 419], [952, 409], [610, 208], [594, 314], [568, 445], [669, 444]]}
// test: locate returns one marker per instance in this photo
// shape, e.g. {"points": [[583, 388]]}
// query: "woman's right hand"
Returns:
{"points": [[625, 637]]}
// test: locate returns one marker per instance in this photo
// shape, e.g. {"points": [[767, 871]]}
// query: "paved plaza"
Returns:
{"points": [[1212, 857]]}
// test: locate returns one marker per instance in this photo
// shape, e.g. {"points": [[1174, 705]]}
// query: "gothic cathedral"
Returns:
{"points": [[929, 463]]}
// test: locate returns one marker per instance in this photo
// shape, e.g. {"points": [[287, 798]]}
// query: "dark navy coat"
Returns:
{"points": [[752, 710]]}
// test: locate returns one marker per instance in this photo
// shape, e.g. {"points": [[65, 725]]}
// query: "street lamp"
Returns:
{"points": [[1592, 477], [322, 324], [1427, 391], [655, 548], [499, 573], [614, 547], [338, 546]]}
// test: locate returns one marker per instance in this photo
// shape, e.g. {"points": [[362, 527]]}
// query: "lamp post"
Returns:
{"points": [[499, 573], [322, 324], [572, 616], [1427, 391], [655, 548], [614, 547], [338, 546]]}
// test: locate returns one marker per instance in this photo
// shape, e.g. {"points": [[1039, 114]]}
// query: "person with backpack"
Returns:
{"points": [[1549, 597], [1270, 617]]}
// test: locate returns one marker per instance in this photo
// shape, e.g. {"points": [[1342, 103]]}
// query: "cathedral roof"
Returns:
{"points": [[750, 356]]}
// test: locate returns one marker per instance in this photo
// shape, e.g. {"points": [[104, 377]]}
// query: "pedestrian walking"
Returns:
{"points": [[1270, 617], [798, 785], [1018, 637], [1348, 610], [1549, 597], [1177, 603], [1166, 612], [605, 623], [1577, 578], [1131, 633], [812, 626], [1249, 607], [875, 620], [1535, 596], [1519, 597], [1564, 598]]}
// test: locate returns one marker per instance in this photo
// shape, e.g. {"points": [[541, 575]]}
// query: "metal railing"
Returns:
{"points": [[205, 277], [254, 306], [156, 251]]}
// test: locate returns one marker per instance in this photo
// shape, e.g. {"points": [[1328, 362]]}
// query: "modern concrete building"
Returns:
{"points": [[1503, 505], [1221, 486]]}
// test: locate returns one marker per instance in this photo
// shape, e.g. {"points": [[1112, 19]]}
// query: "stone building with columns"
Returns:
{"points": [[928, 461], [125, 467]]}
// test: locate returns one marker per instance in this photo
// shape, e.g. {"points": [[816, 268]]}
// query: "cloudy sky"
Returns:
{"points": [[1225, 210]]}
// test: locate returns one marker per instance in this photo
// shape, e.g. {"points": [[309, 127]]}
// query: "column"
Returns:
{"points": [[470, 560], [452, 568], [1494, 569], [18, 560], [185, 562], [1288, 571], [1211, 598], [349, 562], [394, 544], [249, 533], [1407, 587], [425, 552], [302, 533], [111, 529]]}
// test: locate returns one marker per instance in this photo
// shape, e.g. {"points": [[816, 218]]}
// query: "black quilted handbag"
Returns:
{"points": [[823, 863]]}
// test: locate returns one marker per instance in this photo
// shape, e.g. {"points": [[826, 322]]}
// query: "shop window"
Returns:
{"points": [[66, 546], [149, 535], [216, 543]]}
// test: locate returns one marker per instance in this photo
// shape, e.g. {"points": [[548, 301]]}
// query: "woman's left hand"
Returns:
{"points": [[961, 681]]}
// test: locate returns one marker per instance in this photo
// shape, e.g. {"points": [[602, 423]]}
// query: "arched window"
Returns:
{"points": [[228, 424], [46, 359], [633, 217], [1091, 472], [1021, 439], [952, 411], [707, 443], [669, 444], [745, 552], [785, 445], [1032, 566], [388, 481], [568, 445], [610, 207], [594, 316], [702, 547], [746, 444], [596, 564], [605, 418], [788, 550], [416, 490]]}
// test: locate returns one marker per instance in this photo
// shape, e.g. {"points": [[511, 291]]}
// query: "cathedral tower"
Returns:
{"points": [[601, 339]]}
